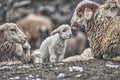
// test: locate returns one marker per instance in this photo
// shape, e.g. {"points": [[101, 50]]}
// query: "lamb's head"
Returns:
{"points": [[64, 31], [84, 11], [12, 33]]}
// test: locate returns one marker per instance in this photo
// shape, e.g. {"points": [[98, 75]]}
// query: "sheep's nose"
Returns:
{"points": [[70, 35], [25, 38], [23, 41]]}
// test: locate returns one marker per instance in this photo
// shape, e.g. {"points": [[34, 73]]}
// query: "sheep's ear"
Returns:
{"points": [[88, 13], [55, 31], [1, 29]]}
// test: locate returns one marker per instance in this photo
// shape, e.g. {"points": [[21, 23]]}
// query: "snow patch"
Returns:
{"points": [[14, 78], [37, 75], [51, 65], [4, 76], [60, 75], [26, 78], [17, 77], [60, 64], [11, 78], [24, 66], [56, 68], [79, 75], [75, 68], [5, 67], [31, 76], [37, 79], [111, 65]]}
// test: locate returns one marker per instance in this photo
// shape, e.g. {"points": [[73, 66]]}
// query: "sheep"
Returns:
{"points": [[35, 57], [112, 7], [36, 28], [54, 46], [85, 55], [103, 32], [77, 44], [13, 44]]}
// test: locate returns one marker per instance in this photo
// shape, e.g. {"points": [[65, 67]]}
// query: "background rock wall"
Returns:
{"points": [[60, 11]]}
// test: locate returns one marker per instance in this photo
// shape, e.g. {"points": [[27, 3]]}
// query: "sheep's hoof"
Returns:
{"points": [[106, 57]]}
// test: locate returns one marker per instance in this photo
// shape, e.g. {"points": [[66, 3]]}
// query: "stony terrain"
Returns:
{"points": [[87, 70], [60, 11]]}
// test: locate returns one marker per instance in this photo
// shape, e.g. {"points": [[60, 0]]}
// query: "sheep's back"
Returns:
{"points": [[111, 39]]}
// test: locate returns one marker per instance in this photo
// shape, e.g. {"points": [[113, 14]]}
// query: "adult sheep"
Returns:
{"points": [[112, 7], [13, 44], [103, 32], [36, 28]]}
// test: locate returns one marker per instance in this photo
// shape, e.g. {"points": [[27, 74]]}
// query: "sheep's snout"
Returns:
{"points": [[23, 41], [71, 35]]}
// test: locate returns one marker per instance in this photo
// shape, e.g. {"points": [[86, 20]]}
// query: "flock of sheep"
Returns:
{"points": [[94, 33]]}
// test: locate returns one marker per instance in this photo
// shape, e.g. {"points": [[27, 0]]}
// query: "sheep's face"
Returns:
{"points": [[77, 19], [23, 52], [12, 33], [110, 4], [65, 32], [83, 13]]}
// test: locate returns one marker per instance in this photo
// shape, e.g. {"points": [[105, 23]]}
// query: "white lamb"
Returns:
{"points": [[54, 46]]}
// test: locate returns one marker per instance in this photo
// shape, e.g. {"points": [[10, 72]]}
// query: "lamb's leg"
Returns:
{"points": [[53, 57], [61, 57], [42, 57]]}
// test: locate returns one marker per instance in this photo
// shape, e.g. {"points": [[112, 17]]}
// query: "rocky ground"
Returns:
{"points": [[83, 70], [60, 11]]}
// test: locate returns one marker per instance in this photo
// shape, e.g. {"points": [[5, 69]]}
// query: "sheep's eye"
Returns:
{"points": [[13, 30], [63, 30]]}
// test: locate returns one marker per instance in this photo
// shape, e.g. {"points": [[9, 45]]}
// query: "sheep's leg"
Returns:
{"points": [[36, 60], [117, 58], [72, 58], [86, 55], [42, 57], [61, 57], [53, 57]]}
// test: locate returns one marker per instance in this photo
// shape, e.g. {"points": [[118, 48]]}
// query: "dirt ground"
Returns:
{"points": [[60, 11], [83, 70]]}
